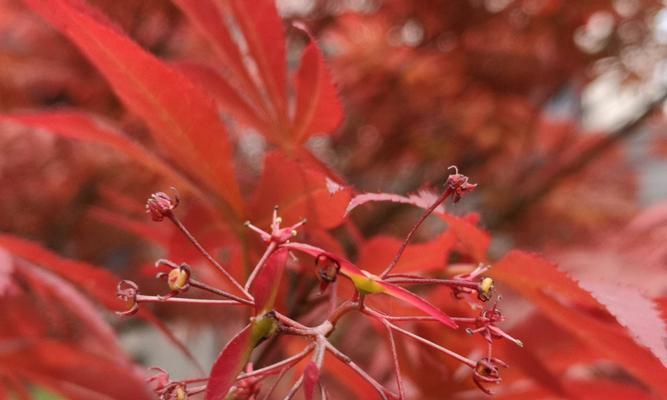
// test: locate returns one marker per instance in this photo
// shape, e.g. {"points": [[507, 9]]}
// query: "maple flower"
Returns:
{"points": [[327, 272], [159, 205], [485, 325], [127, 291], [458, 184], [166, 389], [277, 235], [178, 279], [486, 371]]}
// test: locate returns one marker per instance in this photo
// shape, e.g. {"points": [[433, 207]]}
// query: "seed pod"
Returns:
{"points": [[179, 278]]}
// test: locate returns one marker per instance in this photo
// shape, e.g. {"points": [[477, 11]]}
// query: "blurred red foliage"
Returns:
{"points": [[104, 102]]}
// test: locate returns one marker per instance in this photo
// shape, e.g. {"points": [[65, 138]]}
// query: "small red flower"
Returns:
{"points": [[159, 205], [486, 371], [127, 291], [458, 184]]}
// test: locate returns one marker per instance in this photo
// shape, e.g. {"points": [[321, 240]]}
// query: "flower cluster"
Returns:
{"points": [[236, 377]]}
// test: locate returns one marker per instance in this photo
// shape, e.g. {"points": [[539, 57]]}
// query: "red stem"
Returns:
{"points": [[421, 219]]}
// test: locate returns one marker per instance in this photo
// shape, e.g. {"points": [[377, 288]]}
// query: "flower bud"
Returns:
{"points": [[459, 185], [180, 393], [159, 205], [327, 272], [178, 279], [127, 291]]}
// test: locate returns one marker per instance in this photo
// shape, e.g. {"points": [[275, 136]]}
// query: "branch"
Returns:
{"points": [[523, 203]]}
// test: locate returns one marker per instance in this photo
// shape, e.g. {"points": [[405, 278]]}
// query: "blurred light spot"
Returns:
{"points": [[630, 32], [661, 26], [446, 42], [593, 36], [289, 8], [252, 146], [412, 33], [626, 8], [496, 6]]}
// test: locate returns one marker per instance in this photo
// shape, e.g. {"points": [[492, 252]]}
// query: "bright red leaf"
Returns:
{"points": [[264, 34], [299, 191], [423, 199], [229, 364], [318, 109], [372, 284], [563, 301], [190, 131], [265, 286]]}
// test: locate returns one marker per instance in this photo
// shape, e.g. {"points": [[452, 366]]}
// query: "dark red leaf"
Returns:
{"points": [[85, 127], [142, 229], [423, 199], [71, 371], [265, 286], [419, 303], [6, 271], [229, 364], [227, 97], [561, 300], [98, 283], [71, 299], [208, 17], [182, 118], [318, 109], [377, 253], [372, 284], [263, 32], [637, 313], [301, 192], [472, 240]]}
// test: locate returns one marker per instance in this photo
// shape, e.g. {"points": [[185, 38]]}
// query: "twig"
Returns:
{"points": [[394, 354], [421, 219], [345, 359], [577, 164], [260, 264], [173, 218]]}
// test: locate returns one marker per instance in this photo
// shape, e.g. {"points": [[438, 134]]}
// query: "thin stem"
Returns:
{"points": [[158, 299], [427, 342], [211, 289], [411, 318], [196, 390], [525, 201], [295, 388], [345, 359], [195, 380], [342, 310], [397, 367], [202, 285], [162, 327], [434, 281], [469, 320], [267, 396], [284, 364], [290, 322], [260, 264], [421, 219], [209, 258]]}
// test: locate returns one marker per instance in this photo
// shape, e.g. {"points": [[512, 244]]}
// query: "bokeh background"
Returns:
{"points": [[555, 108]]}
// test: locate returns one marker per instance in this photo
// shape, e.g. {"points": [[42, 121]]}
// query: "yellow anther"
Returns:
{"points": [[178, 278], [485, 288]]}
